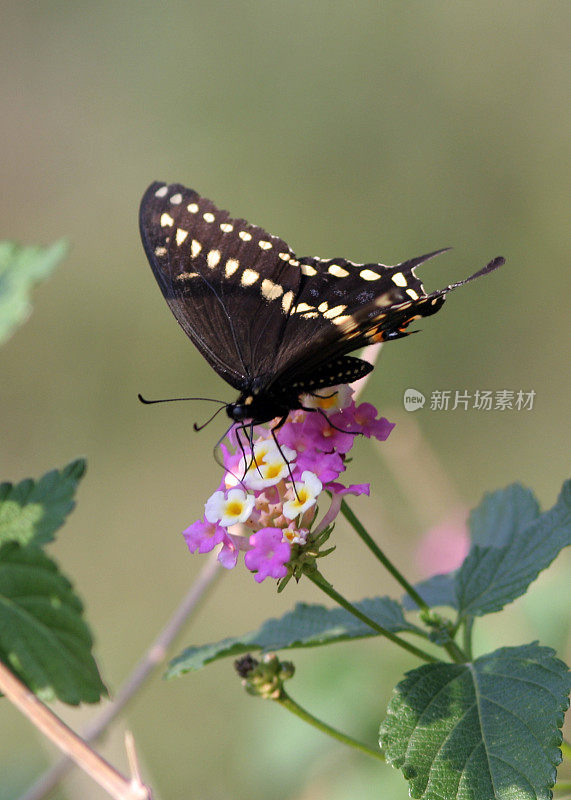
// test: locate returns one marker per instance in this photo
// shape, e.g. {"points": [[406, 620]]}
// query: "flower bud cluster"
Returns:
{"points": [[264, 678]]}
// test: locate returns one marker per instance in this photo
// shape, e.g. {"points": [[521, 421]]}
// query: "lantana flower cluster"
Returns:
{"points": [[266, 504]]}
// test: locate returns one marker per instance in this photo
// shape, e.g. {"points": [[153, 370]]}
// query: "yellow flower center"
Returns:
{"points": [[328, 402], [301, 497]]}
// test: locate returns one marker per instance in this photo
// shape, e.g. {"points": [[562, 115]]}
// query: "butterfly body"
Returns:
{"points": [[263, 404], [273, 325], [260, 408]]}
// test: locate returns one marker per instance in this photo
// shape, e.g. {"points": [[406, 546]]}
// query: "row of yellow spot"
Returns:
{"points": [[270, 290], [336, 270]]}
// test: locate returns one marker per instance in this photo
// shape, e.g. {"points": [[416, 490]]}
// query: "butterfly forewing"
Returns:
{"points": [[228, 283]]}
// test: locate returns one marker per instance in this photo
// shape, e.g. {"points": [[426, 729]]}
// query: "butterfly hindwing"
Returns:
{"points": [[368, 316], [341, 301]]}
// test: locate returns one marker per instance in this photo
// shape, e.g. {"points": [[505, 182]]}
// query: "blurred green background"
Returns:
{"points": [[371, 130]]}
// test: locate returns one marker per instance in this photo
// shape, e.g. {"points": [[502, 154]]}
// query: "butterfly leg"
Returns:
{"points": [[221, 463], [251, 443], [241, 446], [335, 427], [323, 396], [249, 432], [217, 445], [321, 411], [242, 449], [274, 437]]}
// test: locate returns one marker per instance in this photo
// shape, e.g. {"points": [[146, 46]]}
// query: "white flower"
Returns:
{"points": [[305, 495], [294, 536], [229, 509], [334, 399], [268, 467]]}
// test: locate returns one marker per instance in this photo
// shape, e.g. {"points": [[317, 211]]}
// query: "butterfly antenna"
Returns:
{"points": [[177, 399], [209, 420]]}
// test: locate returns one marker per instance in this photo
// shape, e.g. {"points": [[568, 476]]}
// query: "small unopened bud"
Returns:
{"points": [[264, 679], [245, 665], [441, 629]]}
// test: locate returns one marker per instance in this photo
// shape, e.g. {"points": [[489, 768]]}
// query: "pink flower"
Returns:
{"points": [[269, 554], [275, 492], [445, 546], [228, 555], [355, 488], [363, 418], [292, 435], [327, 466], [231, 463], [203, 536], [319, 433]]}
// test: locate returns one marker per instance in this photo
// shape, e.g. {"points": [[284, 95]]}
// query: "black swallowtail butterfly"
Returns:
{"points": [[273, 325]]}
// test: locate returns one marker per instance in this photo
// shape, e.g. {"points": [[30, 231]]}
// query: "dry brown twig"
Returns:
{"points": [[118, 786], [152, 658]]}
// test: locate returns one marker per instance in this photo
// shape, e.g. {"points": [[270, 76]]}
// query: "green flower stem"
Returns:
{"points": [[376, 550], [467, 626], [566, 750], [286, 701], [455, 653], [326, 587]]}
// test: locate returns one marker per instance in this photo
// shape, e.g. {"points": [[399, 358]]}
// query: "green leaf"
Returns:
{"points": [[482, 731], [20, 268], [511, 544], [43, 637], [502, 515], [31, 511], [305, 626], [439, 590], [492, 576]]}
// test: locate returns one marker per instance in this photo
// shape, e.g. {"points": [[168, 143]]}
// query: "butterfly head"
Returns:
{"points": [[258, 408]]}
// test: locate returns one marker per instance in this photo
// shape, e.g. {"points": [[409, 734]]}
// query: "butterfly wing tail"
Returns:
{"points": [[490, 267]]}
